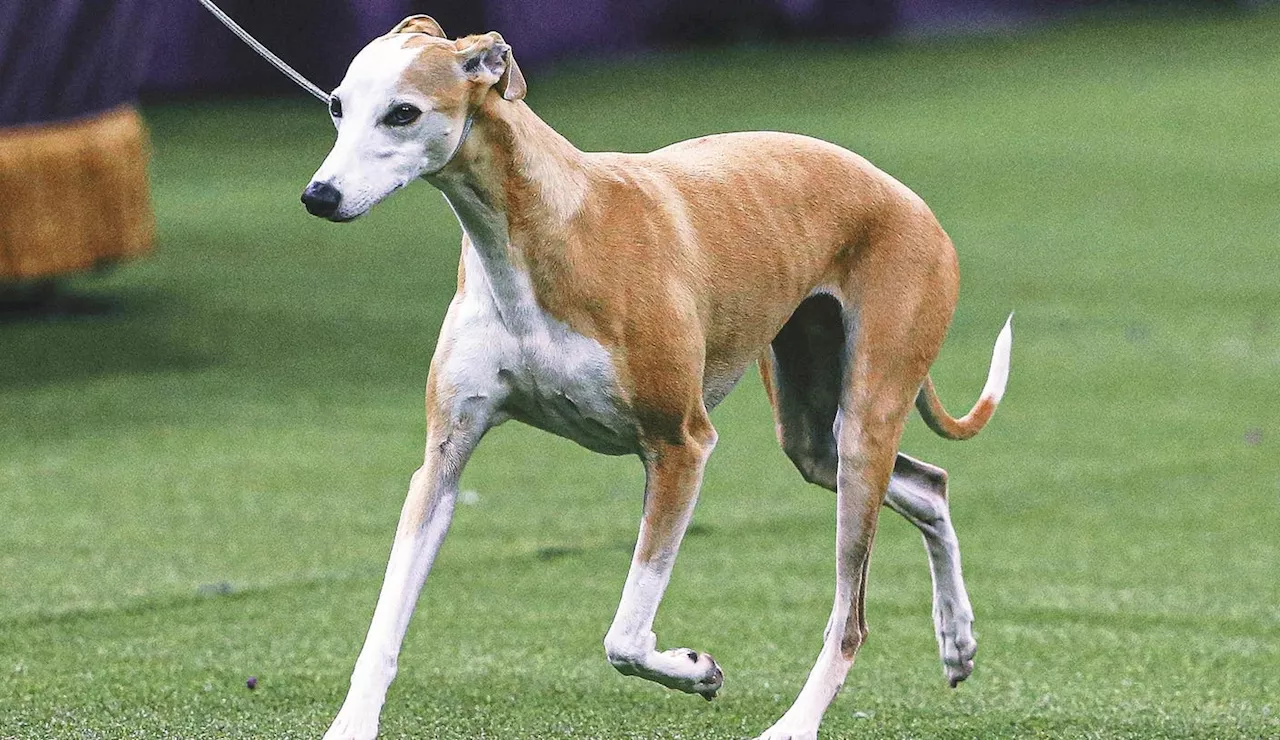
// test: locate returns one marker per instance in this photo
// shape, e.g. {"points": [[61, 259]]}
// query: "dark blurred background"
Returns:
{"points": [[176, 48], [71, 72]]}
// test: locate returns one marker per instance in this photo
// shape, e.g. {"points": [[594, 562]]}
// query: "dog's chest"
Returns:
{"points": [[564, 383], [547, 375]]}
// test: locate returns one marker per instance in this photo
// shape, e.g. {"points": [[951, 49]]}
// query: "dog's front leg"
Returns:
{"points": [[673, 472], [424, 520]]}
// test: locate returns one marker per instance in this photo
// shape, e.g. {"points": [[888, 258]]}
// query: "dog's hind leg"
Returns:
{"points": [[802, 373], [918, 491], [881, 378], [452, 435]]}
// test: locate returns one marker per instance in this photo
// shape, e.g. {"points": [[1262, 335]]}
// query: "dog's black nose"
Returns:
{"points": [[321, 199]]}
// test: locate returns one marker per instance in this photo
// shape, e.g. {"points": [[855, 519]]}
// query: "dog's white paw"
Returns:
{"points": [[681, 669], [695, 673], [353, 726], [787, 730], [956, 645]]}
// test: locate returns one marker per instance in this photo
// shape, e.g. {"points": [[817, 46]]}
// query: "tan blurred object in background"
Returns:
{"points": [[74, 195]]}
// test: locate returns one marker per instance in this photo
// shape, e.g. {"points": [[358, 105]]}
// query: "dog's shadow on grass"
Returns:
{"points": [[45, 301], [52, 333]]}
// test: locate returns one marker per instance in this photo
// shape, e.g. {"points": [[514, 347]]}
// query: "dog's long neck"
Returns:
{"points": [[514, 186]]}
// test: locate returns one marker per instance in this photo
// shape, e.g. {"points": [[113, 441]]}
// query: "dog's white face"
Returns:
{"points": [[390, 129], [401, 113]]}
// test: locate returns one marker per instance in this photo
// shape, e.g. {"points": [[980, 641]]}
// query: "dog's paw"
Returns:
{"points": [[709, 679], [353, 726], [681, 669], [689, 671], [956, 646]]}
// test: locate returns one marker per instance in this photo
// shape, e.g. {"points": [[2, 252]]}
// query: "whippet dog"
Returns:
{"points": [[615, 299]]}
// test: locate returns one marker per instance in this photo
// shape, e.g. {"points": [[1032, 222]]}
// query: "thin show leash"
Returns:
{"points": [[303, 82], [265, 53]]}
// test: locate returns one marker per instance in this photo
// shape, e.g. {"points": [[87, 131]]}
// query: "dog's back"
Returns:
{"points": [[743, 226]]}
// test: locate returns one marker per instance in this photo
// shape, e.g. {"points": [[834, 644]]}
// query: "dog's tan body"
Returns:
{"points": [[614, 299], [687, 261]]}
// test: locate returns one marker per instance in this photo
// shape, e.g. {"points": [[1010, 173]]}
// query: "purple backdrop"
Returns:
{"points": [[65, 58]]}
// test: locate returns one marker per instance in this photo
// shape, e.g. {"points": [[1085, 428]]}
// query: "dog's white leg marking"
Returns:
{"points": [[801, 720], [918, 491], [867, 430], [424, 521], [673, 477]]}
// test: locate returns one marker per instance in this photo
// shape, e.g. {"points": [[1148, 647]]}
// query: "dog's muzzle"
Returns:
{"points": [[321, 199]]}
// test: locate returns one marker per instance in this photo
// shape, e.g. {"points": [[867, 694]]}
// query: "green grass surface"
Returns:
{"points": [[202, 485]]}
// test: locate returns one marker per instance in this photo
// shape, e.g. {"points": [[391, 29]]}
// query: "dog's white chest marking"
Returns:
{"points": [[540, 371], [504, 347]]}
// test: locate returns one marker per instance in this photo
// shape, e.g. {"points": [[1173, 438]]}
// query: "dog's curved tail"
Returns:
{"points": [[945, 425]]}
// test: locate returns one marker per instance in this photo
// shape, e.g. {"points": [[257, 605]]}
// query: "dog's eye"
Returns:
{"points": [[402, 115], [335, 106]]}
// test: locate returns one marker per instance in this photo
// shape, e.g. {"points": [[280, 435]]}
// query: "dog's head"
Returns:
{"points": [[402, 112]]}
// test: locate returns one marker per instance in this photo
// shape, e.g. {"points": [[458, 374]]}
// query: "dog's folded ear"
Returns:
{"points": [[488, 59], [419, 24]]}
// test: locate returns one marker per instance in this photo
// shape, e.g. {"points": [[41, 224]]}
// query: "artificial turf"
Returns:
{"points": [[201, 469]]}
